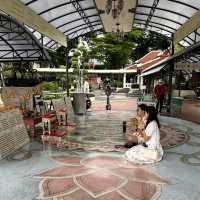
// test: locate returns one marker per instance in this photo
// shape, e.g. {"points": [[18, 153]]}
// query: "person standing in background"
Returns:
{"points": [[160, 92]]}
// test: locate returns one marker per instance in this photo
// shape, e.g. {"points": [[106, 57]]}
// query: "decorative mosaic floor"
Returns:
{"points": [[90, 137], [100, 178]]}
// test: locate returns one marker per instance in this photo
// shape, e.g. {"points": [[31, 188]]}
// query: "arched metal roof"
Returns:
{"points": [[74, 18], [167, 16], [77, 17], [18, 43]]}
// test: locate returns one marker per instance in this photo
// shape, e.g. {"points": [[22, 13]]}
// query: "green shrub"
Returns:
{"points": [[134, 86], [50, 97], [50, 86], [116, 83]]}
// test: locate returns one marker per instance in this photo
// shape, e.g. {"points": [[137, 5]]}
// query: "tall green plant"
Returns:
{"points": [[111, 51], [149, 40]]}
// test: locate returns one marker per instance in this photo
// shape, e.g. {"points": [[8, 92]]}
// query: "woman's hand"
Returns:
{"points": [[141, 133], [136, 134]]}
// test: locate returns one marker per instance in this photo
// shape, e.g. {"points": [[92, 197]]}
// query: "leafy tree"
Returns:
{"points": [[147, 41], [58, 57], [178, 48], [113, 52]]}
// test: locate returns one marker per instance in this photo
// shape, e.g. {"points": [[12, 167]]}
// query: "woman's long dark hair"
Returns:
{"points": [[152, 116], [143, 107]]}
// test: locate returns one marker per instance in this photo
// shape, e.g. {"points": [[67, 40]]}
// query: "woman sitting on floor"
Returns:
{"points": [[134, 138], [151, 151]]}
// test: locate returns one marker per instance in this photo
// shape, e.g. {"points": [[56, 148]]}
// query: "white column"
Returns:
{"points": [[124, 80], [1, 101], [141, 82]]}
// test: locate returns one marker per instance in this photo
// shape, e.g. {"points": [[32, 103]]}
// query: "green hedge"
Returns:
{"points": [[50, 86]]}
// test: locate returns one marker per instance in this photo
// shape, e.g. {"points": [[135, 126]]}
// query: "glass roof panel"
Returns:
{"points": [[142, 17], [42, 5], [145, 2], [172, 16], [142, 9], [83, 32], [79, 23], [90, 12], [176, 7], [87, 3], [165, 22], [72, 25], [65, 19], [81, 27], [61, 11]]}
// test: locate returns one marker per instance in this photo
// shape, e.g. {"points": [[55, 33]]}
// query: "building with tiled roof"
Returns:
{"points": [[147, 62]]}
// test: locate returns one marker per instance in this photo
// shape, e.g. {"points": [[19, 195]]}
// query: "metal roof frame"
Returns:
{"points": [[158, 14], [17, 43]]}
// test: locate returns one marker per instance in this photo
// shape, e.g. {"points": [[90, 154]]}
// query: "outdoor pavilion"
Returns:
{"points": [[28, 28]]}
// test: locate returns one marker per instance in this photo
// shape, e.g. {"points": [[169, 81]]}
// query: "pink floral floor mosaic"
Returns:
{"points": [[98, 177]]}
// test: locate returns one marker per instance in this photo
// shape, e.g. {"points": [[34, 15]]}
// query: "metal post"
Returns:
{"points": [[2, 77], [108, 93], [79, 87], [171, 70], [179, 84], [67, 70]]}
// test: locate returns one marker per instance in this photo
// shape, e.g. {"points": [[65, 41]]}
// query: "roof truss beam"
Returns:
{"points": [[11, 47], [155, 3], [188, 27], [81, 12]]}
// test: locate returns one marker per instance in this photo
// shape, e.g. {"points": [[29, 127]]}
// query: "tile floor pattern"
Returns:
{"points": [[180, 166], [88, 136], [98, 177]]}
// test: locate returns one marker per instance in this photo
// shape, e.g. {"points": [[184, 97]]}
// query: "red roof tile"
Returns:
{"points": [[150, 56], [150, 59]]}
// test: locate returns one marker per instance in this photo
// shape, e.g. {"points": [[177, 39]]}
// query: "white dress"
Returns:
{"points": [[138, 153]]}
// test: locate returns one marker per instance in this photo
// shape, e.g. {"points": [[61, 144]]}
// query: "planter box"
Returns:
{"points": [[79, 103]]}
